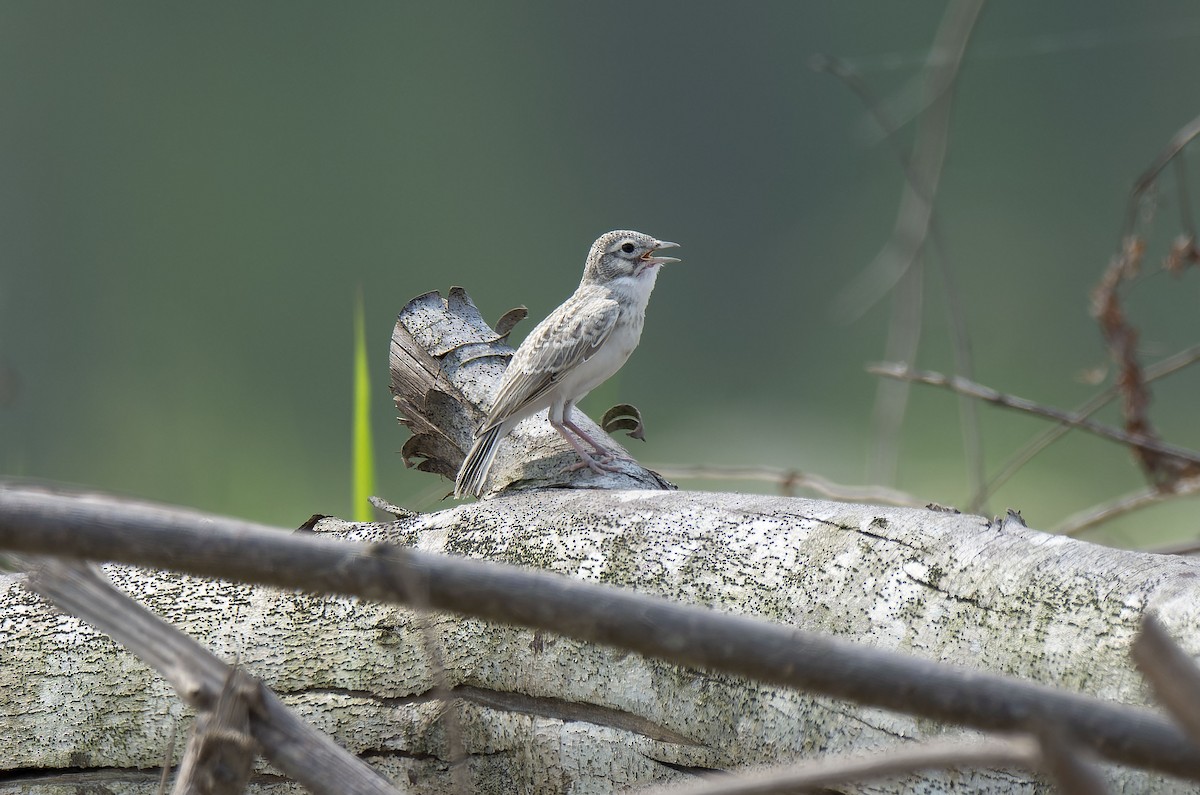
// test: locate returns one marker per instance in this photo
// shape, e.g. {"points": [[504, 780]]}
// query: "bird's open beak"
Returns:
{"points": [[652, 260]]}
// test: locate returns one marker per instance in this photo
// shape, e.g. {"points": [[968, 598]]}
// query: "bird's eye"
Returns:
{"points": [[628, 248]]}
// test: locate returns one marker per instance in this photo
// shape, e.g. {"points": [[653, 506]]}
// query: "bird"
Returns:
{"points": [[575, 349]]}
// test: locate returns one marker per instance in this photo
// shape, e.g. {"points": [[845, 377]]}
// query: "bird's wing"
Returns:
{"points": [[568, 337]]}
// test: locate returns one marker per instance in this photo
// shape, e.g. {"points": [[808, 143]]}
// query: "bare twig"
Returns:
{"points": [[964, 386], [37, 522], [1142, 498], [1068, 765], [916, 204], [1035, 446], [221, 749], [891, 398], [789, 480], [1190, 547], [198, 676], [1164, 471], [899, 262], [830, 771], [1171, 672], [1181, 139], [1185, 201], [168, 757], [1168, 366]]}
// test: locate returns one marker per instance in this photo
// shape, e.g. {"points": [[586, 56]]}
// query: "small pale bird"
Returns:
{"points": [[573, 351]]}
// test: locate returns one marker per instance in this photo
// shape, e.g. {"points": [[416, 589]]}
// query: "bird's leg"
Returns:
{"points": [[605, 455], [585, 458], [584, 435]]}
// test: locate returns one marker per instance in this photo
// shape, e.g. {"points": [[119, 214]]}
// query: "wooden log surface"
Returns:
{"points": [[549, 714], [542, 713]]}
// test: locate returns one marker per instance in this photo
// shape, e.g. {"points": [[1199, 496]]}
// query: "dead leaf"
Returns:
{"points": [[428, 452], [510, 319], [624, 417]]}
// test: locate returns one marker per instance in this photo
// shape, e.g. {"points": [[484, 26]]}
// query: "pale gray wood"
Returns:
{"points": [[551, 714], [238, 716]]}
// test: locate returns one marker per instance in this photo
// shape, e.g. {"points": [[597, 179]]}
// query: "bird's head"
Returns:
{"points": [[625, 254]]}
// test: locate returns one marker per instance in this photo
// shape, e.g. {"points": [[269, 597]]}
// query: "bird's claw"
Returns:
{"points": [[598, 465]]}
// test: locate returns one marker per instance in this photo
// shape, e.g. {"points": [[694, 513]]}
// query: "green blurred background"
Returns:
{"points": [[192, 193]]}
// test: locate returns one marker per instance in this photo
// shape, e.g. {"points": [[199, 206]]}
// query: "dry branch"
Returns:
{"points": [[1172, 673], [1127, 503], [963, 386], [831, 771], [221, 749], [1160, 369], [1181, 463], [789, 480], [1069, 767], [1179, 141]]}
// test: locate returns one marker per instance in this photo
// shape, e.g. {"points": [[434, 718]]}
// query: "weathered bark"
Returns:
{"points": [[546, 714]]}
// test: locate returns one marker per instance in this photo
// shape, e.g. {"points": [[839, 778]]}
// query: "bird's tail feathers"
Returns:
{"points": [[475, 467]]}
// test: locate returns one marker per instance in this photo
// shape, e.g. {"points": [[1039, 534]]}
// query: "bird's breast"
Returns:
{"points": [[608, 359], [626, 335]]}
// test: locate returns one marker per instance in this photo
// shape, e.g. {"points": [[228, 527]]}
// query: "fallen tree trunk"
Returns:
{"points": [[546, 713]]}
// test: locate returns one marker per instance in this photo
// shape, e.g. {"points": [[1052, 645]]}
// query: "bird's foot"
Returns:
{"points": [[599, 465]]}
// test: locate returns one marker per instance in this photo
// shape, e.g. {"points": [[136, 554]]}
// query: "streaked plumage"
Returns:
{"points": [[572, 351]]}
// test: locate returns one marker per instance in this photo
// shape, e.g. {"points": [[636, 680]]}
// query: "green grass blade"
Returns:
{"points": [[364, 453]]}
